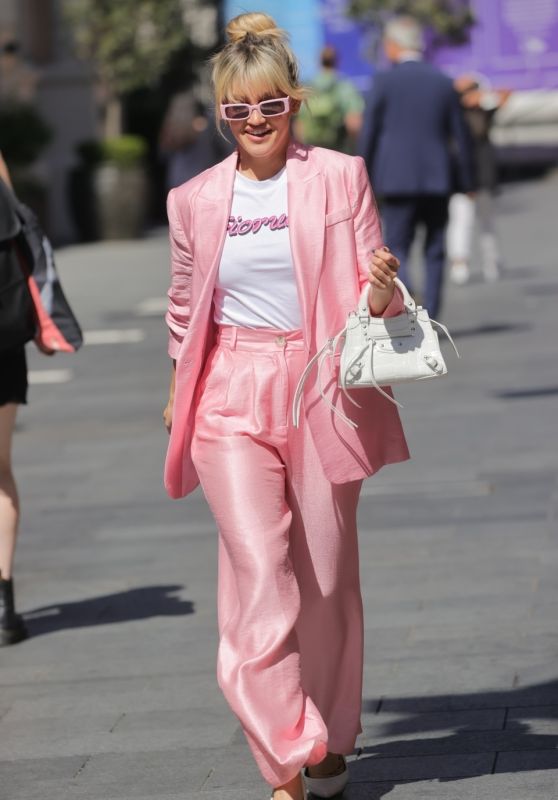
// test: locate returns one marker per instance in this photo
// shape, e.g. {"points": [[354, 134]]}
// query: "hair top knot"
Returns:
{"points": [[257, 59], [253, 26]]}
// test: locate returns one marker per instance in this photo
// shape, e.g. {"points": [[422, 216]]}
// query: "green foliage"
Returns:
{"points": [[130, 41], [124, 151], [450, 20], [23, 133]]}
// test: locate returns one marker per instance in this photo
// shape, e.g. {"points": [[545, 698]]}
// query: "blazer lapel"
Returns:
{"points": [[307, 208], [212, 208]]}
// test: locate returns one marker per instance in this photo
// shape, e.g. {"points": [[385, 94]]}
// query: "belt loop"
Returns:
{"points": [[234, 330]]}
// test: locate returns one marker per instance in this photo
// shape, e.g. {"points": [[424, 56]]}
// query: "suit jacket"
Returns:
{"points": [[414, 137], [333, 226]]}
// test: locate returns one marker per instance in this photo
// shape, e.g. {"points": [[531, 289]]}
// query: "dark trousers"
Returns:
{"points": [[400, 215]]}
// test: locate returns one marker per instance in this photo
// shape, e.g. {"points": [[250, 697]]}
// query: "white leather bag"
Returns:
{"points": [[380, 351]]}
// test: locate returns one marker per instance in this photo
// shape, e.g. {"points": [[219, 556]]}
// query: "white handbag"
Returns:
{"points": [[380, 351]]}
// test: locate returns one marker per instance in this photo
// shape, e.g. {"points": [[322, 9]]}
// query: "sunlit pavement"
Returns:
{"points": [[114, 694]]}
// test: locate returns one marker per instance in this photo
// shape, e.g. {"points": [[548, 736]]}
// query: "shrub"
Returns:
{"points": [[23, 134]]}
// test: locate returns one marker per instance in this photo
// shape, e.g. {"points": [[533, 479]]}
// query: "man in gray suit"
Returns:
{"points": [[417, 151]]}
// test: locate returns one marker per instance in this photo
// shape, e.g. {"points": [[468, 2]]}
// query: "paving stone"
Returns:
{"points": [[525, 697], [456, 765], [197, 727], [17, 778], [536, 719], [460, 742], [233, 768], [52, 736], [458, 552], [527, 760], [168, 771], [385, 726], [120, 695], [519, 786]]}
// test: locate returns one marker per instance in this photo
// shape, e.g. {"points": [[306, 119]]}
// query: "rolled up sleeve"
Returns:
{"points": [[368, 232], [178, 312]]}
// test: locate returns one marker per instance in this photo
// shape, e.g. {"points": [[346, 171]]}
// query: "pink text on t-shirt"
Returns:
{"points": [[239, 227]]}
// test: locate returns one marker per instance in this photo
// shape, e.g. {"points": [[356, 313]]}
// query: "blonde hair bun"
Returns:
{"points": [[255, 23]]}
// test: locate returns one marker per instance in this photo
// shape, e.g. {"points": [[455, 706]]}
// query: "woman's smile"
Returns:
{"points": [[259, 134]]}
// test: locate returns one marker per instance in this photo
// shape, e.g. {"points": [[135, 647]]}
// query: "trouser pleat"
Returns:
{"points": [[290, 612]]}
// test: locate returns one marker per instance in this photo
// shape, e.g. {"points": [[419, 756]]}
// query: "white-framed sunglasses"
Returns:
{"points": [[267, 108]]}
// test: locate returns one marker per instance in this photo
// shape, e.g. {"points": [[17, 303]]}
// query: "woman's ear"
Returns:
{"points": [[295, 106]]}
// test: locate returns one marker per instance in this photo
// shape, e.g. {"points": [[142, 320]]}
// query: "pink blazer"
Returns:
{"points": [[333, 226]]}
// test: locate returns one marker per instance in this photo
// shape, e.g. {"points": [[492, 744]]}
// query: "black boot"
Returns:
{"points": [[12, 627]]}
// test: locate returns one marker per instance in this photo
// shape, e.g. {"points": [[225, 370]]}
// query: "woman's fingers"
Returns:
{"points": [[383, 268]]}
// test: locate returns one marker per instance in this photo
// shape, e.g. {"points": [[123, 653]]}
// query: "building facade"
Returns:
{"points": [[42, 70]]}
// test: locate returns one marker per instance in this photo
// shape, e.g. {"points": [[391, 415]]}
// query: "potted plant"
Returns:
{"points": [[108, 188], [120, 188]]}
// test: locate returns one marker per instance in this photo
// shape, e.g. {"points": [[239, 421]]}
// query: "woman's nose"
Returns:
{"points": [[256, 117]]}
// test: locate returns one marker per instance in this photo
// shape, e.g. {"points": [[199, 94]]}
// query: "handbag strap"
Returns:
{"points": [[330, 348], [409, 303], [445, 330], [303, 378]]}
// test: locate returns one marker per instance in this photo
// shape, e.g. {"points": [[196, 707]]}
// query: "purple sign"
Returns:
{"points": [[355, 44], [513, 45]]}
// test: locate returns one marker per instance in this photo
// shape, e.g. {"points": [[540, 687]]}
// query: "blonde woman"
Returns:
{"points": [[270, 250]]}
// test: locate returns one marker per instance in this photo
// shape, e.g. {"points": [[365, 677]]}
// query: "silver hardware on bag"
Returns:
{"points": [[380, 351]]}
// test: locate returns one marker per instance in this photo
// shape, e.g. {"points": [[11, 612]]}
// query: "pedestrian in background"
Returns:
{"points": [[480, 104], [270, 251], [13, 392], [32, 306], [187, 140], [332, 114], [417, 150]]}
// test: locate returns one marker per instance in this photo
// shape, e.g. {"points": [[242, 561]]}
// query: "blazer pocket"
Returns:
{"points": [[338, 216]]}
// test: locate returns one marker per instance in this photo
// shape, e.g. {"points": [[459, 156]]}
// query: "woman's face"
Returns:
{"points": [[260, 137]]}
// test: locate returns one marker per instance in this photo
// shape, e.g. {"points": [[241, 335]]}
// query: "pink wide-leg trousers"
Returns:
{"points": [[290, 609]]}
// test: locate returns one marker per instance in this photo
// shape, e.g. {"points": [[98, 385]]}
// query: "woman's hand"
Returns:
{"points": [[167, 415], [43, 347], [383, 269]]}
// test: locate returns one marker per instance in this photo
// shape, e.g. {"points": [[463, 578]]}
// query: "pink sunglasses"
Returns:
{"points": [[267, 108]]}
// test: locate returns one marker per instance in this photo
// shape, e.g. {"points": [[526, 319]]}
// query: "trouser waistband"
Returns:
{"points": [[255, 338]]}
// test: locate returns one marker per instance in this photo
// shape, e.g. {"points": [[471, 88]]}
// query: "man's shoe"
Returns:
{"points": [[327, 787], [12, 627], [460, 273]]}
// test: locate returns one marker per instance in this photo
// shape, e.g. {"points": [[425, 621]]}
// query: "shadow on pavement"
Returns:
{"points": [[471, 750], [525, 394], [490, 329], [542, 289], [133, 604]]}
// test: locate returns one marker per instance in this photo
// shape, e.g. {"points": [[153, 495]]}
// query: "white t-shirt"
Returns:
{"points": [[256, 285]]}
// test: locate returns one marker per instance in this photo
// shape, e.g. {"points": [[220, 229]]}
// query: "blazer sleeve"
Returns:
{"points": [[178, 313], [368, 230]]}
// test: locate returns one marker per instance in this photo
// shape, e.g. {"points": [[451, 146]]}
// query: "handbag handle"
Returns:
{"points": [[364, 310]]}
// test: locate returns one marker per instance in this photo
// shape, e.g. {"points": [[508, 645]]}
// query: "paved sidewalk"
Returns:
{"points": [[114, 696]]}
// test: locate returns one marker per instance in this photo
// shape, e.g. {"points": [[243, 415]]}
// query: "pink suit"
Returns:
{"points": [[290, 613]]}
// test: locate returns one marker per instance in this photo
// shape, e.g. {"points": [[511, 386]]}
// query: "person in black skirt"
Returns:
{"points": [[13, 392]]}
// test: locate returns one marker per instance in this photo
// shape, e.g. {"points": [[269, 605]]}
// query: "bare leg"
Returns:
{"points": [[9, 502], [292, 790], [333, 764]]}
